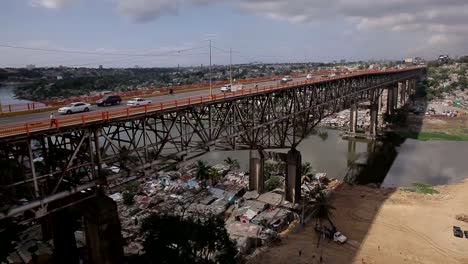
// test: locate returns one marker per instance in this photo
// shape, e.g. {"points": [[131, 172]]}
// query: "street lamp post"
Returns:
{"points": [[211, 86], [230, 65]]}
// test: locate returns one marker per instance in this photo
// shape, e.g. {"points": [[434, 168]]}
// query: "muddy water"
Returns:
{"points": [[388, 163]]}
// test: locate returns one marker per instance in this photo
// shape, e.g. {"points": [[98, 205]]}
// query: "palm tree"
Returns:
{"points": [[213, 175], [322, 209], [306, 169], [202, 173], [232, 163], [305, 177]]}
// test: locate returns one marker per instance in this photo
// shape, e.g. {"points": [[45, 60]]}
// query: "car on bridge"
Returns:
{"points": [[109, 100], [74, 108], [138, 102], [226, 88], [286, 79]]}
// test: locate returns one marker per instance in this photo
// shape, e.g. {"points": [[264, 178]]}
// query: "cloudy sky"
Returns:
{"points": [[170, 32]]}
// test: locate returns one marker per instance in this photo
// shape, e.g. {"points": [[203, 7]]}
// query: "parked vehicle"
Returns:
{"points": [[339, 238], [466, 233], [74, 108], [457, 231], [109, 100], [286, 79], [309, 76], [138, 102]]}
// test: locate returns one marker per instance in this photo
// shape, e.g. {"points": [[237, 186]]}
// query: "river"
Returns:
{"points": [[7, 96], [430, 162]]}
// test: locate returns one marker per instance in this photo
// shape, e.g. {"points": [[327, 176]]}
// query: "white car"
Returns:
{"points": [[339, 238], [226, 88], [138, 102], [286, 79], [309, 76], [75, 108]]}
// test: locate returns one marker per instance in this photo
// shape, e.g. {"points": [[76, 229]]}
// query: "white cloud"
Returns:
{"points": [[439, 39], [52, 4]]}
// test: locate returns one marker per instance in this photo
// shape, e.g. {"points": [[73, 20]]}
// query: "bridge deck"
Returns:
{"points": [[23, 129]]}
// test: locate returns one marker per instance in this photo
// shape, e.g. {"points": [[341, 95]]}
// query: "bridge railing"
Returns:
{"points": [[10, 108], [77, 119]]}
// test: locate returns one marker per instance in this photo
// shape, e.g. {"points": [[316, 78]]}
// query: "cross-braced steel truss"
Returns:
{"points": [[51, 167]]}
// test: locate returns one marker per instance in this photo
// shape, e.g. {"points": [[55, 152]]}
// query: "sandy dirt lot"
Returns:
{"points": [[384, 226]]}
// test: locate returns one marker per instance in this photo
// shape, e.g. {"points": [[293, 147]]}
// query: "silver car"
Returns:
{"points": [[74, 108]]}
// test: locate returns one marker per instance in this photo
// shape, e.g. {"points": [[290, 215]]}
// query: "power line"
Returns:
{"points": [[97, 53]]}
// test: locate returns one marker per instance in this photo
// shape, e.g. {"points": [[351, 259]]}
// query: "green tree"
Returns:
{"points": [[273, 183], [322, 209], [306, 169], [232, 163], [188, 240], [203, 172], [214, 175], [323, 135], [129, 193]]}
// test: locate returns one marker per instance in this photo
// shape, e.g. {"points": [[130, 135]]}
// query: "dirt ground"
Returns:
{"points": [[384, 226], [431, 123]]}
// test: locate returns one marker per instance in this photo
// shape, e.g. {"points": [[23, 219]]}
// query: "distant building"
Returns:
{"points": [[30, 66], [409, 61], [100, 67], [59, 77], [418, 60], [443, 58]]}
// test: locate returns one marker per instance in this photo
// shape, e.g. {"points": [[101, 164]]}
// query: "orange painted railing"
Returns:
{"points": [[45, 124], [10, 108]]}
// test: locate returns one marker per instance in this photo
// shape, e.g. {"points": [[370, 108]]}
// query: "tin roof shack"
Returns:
{"points": [[249, 210], [247, 236], [277, 219]]}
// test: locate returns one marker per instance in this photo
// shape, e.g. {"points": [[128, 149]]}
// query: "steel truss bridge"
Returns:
{"points": [[63, 164]]}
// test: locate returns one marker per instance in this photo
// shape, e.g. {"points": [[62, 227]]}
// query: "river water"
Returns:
{"points": [[431, 162], [7, 96]]}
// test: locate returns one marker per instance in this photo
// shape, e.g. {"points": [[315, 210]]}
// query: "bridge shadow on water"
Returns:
{"points": [[358, 200]]}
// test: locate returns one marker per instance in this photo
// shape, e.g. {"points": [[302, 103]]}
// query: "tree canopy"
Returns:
{"points": [[177, 239]]}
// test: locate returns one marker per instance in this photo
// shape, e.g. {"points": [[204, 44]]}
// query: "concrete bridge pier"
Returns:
{"points": [[353, 116], [374, 119], [390, 101], [293, 176], [402, 88], [65, 250], [396, 94], [256, 172], [103, 231]]}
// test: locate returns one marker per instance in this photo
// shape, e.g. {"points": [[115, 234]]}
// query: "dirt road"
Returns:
{"points": [[384, 226]]}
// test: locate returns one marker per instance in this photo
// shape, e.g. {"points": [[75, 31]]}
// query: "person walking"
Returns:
{"points": [[53, 120]]}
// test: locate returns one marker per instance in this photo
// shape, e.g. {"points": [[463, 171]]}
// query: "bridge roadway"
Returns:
{"points": [[173, 130], [156, 99]]}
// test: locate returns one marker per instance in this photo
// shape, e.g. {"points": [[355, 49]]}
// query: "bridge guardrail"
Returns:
{"points": [[10, 108], [45, 124]]}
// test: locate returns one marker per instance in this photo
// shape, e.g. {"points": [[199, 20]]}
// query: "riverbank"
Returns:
{"points": [[435, 128], [384, 226]]}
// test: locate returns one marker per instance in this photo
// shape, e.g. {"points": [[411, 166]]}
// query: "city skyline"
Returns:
{"points": [[175, 33]]}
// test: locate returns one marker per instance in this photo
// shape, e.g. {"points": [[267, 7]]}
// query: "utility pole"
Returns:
{"points": [[230, 65], [211, 86]]}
